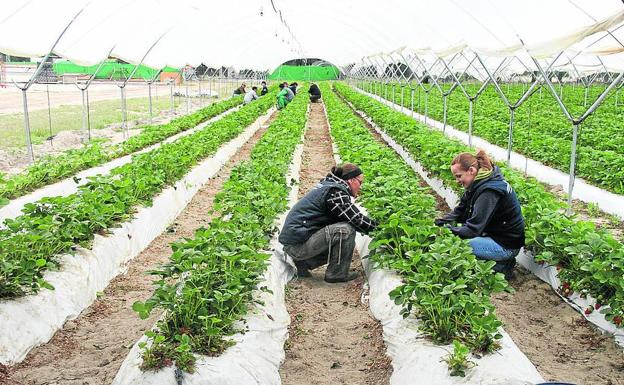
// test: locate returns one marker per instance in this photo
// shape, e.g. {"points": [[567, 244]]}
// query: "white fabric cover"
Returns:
{"points": [[32, 320], [68, 186]]}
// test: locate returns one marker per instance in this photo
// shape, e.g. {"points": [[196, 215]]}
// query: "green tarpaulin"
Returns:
{"points": [[110, 70], [314, 73]]}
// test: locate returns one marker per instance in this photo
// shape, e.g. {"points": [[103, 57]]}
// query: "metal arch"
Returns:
{"points": [[149, 92], [86, 127], [122, 87], [576, 122], [514, 106], [471, 98], [25, 87]]}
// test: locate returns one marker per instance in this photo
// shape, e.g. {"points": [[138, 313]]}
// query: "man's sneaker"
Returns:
{"points": [[302, 269], [350, 277]]}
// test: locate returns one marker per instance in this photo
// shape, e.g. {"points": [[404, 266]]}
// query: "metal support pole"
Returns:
{"points": [[49, 112], [470, 120], [88, 116], [444, 112], [84, 114], [188, 99], [510, 138], [149, 92], [393, 98], [124, 116], [171, 98], [572, 166], [426, 105], [585, 101], [29, 147], [201, 99]]}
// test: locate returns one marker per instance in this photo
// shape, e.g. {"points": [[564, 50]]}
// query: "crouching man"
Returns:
{"points": [[320, 229]]}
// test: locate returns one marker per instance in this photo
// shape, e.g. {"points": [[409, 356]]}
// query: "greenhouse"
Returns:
{"points": [[332, 192]]}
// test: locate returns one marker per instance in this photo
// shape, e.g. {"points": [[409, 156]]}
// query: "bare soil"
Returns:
{"points": [[562, 345], [332, 337], [90, 349]]}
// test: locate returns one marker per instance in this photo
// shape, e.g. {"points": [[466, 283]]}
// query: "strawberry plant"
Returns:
{"points": [[590, 260], [444, 285], [208, 285], [52, 168], [541, 131], [31, 243]]}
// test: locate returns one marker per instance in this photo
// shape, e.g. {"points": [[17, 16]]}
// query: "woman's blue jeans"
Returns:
{"points": [[487, 248]]}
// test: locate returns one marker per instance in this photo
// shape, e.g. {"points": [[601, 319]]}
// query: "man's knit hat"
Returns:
{"points": [[346, 171]]}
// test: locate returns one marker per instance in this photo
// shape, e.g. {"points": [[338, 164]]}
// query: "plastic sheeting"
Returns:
{"points": [[32, 320], [263, 34], [607, 201], [69, 186], [258, 353], [546, 273], [413, 356]]}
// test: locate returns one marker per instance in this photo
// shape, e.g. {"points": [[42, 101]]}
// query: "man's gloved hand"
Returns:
{"points": [[439, 222]]}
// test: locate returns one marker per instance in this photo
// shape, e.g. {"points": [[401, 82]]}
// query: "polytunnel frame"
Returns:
{"points": [[543, 71], [123, 84], [576, 122], [27, 85], [86, 124]]}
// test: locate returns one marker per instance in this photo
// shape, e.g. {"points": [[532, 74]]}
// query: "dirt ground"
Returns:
{"points": [[332, 337], [90, 349], [67, 94], [561, 344]]}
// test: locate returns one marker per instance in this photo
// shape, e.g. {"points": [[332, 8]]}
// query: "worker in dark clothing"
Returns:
{"points": [[489, 213], [240, 90], [265, 89], [293, 87], [315, 93], [320, 229]]}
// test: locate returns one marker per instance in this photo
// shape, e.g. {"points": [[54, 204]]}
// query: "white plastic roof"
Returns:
{"points": [[251, 33]]}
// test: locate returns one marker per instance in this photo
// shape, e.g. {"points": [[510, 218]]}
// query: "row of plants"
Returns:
{"points": [[600, 161], [444, 285], [52, 168], [590, 260], [31, 243], [208, 285], [602, 131]]}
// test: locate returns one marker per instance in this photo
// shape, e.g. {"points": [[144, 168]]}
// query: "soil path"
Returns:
{"points": [[90, 349], [562, 345], [332, 337]]}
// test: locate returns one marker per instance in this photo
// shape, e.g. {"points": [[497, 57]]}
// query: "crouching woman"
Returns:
{"points": [[488, 214]]}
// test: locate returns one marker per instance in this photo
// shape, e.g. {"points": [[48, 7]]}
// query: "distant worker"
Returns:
{"points": [[265, 89], [293, 87], [315, 93], [240, 90], [251, 95], [489, 212], [290, 94], [282, 99], [320, 228]]}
